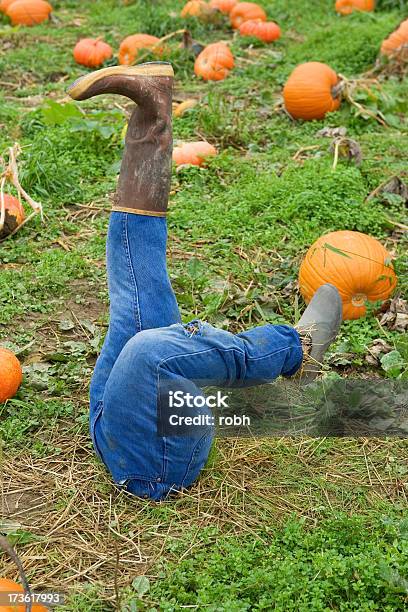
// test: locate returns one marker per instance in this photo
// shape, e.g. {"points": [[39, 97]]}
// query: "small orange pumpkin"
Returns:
{"points": [[13, 214], [193, 153], [9, 586], [197, 8], [245, 11], [267, 31], [225, 6], [310, 92], [92, 52], [346, 7], [183, 107], [4, 4], [131, 45], [214, 62], [363, 273], [396, 40], [29, 12], [11, 374]]}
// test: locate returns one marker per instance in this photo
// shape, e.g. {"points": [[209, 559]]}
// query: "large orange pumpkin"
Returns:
{"points": [[345, 7], [225, 6], [396, 40], [267, 31], [244, 11], [92, 52], [131, 45], [214, 62], [14, 214], [29, 12], [357, 264], [9, 586], [11, 374], [193, 153], [310, 92]]}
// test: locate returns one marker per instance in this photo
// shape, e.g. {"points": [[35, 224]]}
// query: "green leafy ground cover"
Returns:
{"points": [[298, 525]]}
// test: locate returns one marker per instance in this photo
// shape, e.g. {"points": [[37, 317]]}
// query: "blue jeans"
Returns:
{"points": [[147, 349]]}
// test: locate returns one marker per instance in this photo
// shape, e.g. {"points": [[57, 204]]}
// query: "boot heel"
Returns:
{"points": [[149, 69]]}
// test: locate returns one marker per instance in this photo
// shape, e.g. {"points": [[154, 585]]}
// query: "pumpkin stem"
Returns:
{"points": [[359, 299], [336, 154], [10, 173], [156, 45], [337, 90], [7, 547]]}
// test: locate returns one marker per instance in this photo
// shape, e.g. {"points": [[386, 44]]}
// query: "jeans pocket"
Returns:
{"points": [[198, 458], [94, 417]]}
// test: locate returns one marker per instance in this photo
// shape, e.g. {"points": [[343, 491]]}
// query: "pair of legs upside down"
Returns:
{"points": [[147, 349]]}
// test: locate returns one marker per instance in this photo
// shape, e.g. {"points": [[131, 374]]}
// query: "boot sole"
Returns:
{"points": [[149, 69]]}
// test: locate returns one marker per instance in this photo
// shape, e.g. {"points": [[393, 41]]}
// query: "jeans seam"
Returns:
{"points": [[165, 460], [145, 479], [196, 450], [136, 305], [190, 354], [286, 348], [92, 427], [164, 361]]}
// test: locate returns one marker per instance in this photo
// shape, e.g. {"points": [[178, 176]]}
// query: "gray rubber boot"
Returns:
{"points": [[318, 328]]}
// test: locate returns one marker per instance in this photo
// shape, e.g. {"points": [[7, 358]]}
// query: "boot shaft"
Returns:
{"points": [[145, 175]]}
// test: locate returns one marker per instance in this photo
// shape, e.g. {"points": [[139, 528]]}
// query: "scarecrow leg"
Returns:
{"points": [[140, 292]]}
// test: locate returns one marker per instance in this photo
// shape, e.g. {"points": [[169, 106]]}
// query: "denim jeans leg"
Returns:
{"points": [[180, 357], [140, 293]]}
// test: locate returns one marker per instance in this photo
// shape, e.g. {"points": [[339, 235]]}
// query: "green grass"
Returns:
{"points": [[349, 563], [238, 231]]}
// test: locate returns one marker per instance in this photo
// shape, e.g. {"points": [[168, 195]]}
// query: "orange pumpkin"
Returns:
{"points": [[13, 214], [214, 62], [267, 31], [9, 586], [225, 6], [363, 273], [130, 47], [396, 40], [183, 107], [345, 7], [29, 12], [4, 4], [11, 374], [193, 153], [310, 92], [245, 11], [92, 52], [197, 8]]}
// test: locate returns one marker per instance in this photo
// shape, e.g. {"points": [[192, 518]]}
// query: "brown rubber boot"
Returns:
{"points": [[145, 174]]}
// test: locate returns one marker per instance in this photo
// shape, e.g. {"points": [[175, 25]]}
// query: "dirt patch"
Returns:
{"points": [[91, 307], [21, 505]]}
